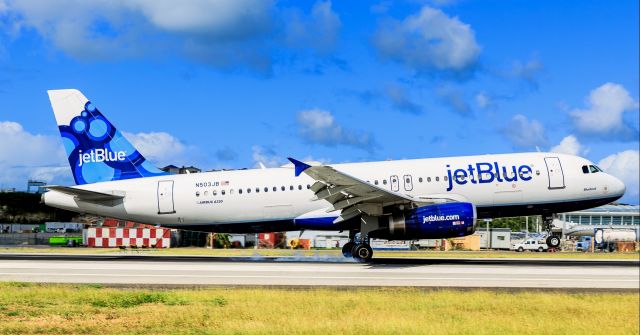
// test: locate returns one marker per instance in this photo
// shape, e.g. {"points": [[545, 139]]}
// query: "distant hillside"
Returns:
{"points": [[19, 207]]}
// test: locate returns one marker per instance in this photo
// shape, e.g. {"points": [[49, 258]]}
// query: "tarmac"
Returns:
{"points": [[306, 272]]}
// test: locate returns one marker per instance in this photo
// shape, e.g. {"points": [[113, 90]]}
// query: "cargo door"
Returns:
{"points": [[165, 197], [554, 170]]}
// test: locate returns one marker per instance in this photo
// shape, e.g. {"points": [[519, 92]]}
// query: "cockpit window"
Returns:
{"points": [[594, 168], [585, 169]]}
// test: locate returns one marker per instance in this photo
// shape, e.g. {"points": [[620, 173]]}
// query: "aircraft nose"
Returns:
{"points": [[617, 186]]}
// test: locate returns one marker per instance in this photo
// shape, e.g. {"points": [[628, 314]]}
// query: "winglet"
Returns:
{"points": [[300, 166]]}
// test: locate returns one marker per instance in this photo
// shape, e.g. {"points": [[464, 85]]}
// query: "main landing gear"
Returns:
{"points": [[553, 240], [358, 246]]}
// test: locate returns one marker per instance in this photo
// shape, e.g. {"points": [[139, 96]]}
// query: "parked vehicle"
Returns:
{"points": [[530, 244], [584, 244]]}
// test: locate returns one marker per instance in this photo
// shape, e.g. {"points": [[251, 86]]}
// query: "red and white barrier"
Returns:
{"points": [[127, 237]]}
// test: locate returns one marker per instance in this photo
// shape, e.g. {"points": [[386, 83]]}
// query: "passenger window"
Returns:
{"points": [[248, 190], [437, 178], [257, 189], [239, 191], [299, 187], [308, 186], [585, 169], [197, 193], [291, 188], [384, 182], [206, 193], [231, 191], [282, 188], [375, 182], [222, 192], [446, 178], [420, 179], [428, 179], [275, 188], [266, 189], [593, 169], [214, 192]]}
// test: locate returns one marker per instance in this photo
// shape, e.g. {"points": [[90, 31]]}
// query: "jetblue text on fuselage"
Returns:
{"points": [[100, 155], [482, 173]]}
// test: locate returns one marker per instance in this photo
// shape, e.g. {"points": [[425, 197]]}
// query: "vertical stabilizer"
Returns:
{"points": [[96, 150]]}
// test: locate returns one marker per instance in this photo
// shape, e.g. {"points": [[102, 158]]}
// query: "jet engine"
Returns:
{"points": [[433, 221]]}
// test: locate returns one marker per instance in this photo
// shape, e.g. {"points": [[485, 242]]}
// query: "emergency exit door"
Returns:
{"points": [[554, 170], [165, 197]]}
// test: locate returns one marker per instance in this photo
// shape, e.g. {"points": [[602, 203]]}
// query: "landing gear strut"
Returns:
{"points": [[358, 246], [553, 240]]}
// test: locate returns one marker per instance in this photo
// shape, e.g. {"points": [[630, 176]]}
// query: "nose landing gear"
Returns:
{"points": [[553, 240]]}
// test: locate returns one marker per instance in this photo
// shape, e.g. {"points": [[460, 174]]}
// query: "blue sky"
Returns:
{"points": [[228, 83]]}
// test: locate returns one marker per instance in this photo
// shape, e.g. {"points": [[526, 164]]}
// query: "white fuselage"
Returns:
{"points": [[546, 183]]}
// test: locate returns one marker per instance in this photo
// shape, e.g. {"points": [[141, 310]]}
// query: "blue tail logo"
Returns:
{"points": [[96, 150]]}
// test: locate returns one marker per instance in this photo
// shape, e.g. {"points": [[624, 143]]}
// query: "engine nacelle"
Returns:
{"points": [[433, 221]]}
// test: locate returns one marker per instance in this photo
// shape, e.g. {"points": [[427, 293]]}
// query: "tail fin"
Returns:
{"points": [[97, 151]]}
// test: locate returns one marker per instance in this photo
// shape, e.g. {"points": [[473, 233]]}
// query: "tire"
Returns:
{"points": [[346, 249], [521, 249], [553, 241], [362, 252], [540, 249]]}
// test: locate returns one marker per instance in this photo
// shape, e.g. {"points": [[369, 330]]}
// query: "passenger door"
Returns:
{"points": [[165, 197], [395, 183], [554, 170], [408, 182]]}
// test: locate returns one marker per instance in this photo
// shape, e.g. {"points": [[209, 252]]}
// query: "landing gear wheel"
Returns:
{"points": [[553, 241], [362, 252], [346, 249]]}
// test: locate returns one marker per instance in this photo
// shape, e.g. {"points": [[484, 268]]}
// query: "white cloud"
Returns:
{"points": [[571, 146], [266, 156], [319, 30], [159, 147], [528, 71], [525, 133], [454, 99], [24, 155], [319, 127], [625, 165], [604, 114], [428, 40], [217, 32]]}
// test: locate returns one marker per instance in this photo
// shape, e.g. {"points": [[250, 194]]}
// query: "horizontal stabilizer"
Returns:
{"points": [[85, 195]]}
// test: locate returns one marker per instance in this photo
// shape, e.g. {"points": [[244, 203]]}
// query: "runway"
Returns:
{"points": [[326, 272]]}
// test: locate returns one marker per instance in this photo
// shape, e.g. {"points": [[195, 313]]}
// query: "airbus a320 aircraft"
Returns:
{"points": [[402, 199]]}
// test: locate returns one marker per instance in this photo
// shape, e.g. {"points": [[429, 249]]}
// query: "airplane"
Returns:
{"points": [[394, 200]]}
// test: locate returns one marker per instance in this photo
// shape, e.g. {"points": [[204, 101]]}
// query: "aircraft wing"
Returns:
{"points": [[353, 196], [85, 195]]}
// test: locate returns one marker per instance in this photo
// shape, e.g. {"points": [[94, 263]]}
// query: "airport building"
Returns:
{"points": [[612, 214]]}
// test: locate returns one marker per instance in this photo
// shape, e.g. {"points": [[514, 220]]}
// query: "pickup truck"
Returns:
{"points": [[530, 244]]}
